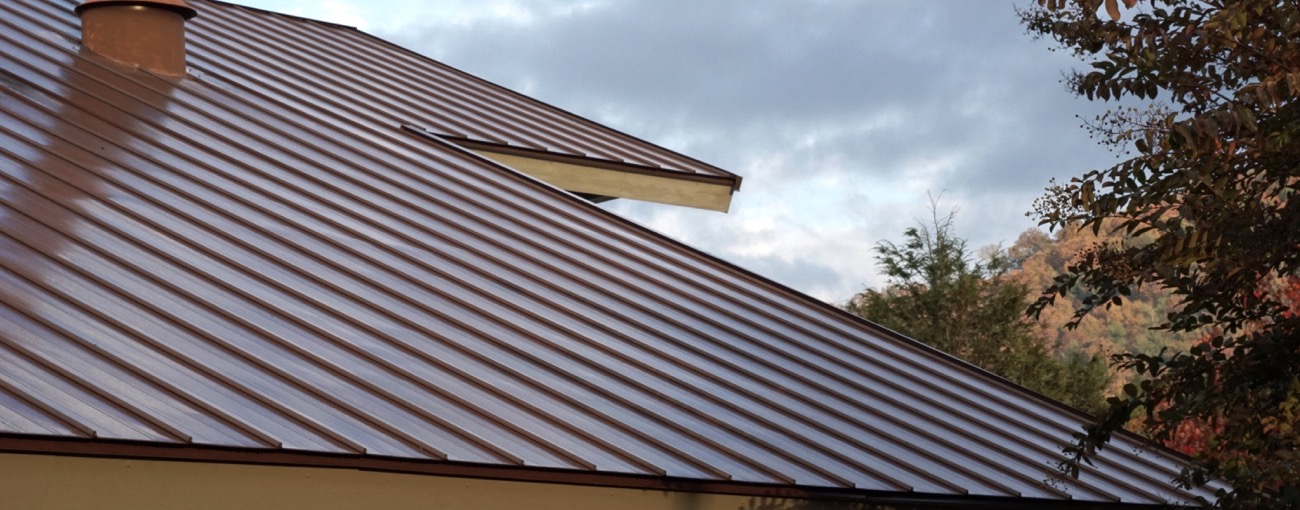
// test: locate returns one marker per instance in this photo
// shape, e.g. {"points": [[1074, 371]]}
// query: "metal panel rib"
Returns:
{"points": [[552, 129], [41, 403]]}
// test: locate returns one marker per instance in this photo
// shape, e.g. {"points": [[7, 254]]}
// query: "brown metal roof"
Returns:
{"points": [[260, 259], [349, 73]]}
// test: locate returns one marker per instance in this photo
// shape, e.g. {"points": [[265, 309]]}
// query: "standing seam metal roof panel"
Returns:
{"points": [[259, 257]]}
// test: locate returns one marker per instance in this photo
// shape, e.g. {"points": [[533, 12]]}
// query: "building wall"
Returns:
{"points": [[65, 482]]}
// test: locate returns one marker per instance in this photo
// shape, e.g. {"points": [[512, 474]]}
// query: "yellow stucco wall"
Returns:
{"points": [[61, 482]]}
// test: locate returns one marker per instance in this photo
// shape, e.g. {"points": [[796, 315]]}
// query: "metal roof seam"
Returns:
{"points": [[191, 398], [847, 401], [630, 142], [92, 276], [362, 449], [27, 397], [810, 333], [229, 382], [398, 433], [227, 48], [512, 97], [663, 376], [437, 96], [831, 358], [583, 128], [1060, 431], [110, 420], [427, 385], [547, 128], [142, 73], [467, 404], [906, 344], [723, 311], [789, 413], [287, 16], [182, 394], [133, 409], [346, 374], [664, 397]]}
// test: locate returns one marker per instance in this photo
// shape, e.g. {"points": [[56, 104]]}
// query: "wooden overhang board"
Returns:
{"points": [[261, 264], [609, 182], [607, 179]]}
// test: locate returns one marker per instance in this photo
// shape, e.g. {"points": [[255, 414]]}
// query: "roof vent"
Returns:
{"points": [[149, 34]]}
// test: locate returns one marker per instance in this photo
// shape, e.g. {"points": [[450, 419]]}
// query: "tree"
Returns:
{"points": [[1038, 258], [973, 310], [1211, 164]]}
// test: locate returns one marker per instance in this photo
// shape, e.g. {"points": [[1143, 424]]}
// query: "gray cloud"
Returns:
{"points": [[841, 115]]}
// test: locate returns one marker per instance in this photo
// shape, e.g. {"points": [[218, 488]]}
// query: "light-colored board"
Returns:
{"points": [[614, 183], [51, 482]]}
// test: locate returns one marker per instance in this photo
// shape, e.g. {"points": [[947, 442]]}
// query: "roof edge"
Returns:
{"points": [[294, 17], [142, 450], [833, 310], [539, 102], [465, 146], [732, 181]]}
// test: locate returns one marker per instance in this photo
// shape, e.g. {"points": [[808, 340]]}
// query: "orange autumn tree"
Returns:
{"points": [[1202, 437], [1038, 257]]}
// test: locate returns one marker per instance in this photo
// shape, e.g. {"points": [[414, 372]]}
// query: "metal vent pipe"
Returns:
{"points": [[149, 34]]}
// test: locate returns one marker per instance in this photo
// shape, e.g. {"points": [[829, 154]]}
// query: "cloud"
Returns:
{"points": [[842, 116], [344, 12]]}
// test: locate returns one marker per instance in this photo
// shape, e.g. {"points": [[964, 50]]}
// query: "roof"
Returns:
{"points": [[259, 263]]}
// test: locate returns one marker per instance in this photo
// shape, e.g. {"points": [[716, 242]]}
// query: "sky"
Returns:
{"points": [[847, 119]]}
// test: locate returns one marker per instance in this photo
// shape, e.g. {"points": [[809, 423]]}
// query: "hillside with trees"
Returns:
{"points": [[1037, 257], [975, 309]]}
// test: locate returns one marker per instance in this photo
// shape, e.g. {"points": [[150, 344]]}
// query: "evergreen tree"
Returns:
{"points": [[974, 310]]}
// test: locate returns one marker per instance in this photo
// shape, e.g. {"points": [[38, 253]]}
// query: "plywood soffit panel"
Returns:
{"points": [[619, 184], [603, 178]]}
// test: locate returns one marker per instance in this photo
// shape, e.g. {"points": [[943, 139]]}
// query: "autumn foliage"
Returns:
{"points": [[1207, 116], [939, 294]]}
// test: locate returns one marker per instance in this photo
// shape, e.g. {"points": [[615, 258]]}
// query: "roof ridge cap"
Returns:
{"points": [[291, 17]]}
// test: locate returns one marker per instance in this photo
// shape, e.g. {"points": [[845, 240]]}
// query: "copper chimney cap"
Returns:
{"points": [[147, 34], [178, 6]]}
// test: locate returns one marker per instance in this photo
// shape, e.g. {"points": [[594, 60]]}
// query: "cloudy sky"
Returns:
{"points": [[843, 116]]}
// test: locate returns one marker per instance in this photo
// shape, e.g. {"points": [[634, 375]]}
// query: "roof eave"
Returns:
{"points": [[601, 177], [101, 448]]}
